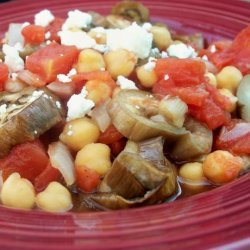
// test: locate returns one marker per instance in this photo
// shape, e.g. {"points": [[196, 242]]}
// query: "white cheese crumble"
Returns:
{"points": [[35, 95], [44, 18], [77, 20], [164, 54], [12, 59], [125, 83], [102, 48], [204, 58], [181, 50], [63, 78], [166, 77], [133, 38], [78, 38], [147, 26], [25, 24], [79, 106], [13, 76], [100, 30], [72, 72], [47, 35], [58, 104], [213, 49], [151, 64], [70, 133]]}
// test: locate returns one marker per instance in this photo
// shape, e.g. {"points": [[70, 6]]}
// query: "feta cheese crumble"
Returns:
{"points": [[147, 26], [47, 35], [63, 78], [151, 64], [3, 109], [133, 38], [213, 49], [125, 83], [79, 106], [181, 50], [12, 59], [44, 18], [77, 20], [166, 77], [78, 38]]}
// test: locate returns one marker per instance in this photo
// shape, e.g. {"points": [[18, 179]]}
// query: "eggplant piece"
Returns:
{"points": [[136, 178], [136, 107], [197, 142], [26, 115], [243, 95], [134, 11]]}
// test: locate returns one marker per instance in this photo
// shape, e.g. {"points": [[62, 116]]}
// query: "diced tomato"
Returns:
{"points": [[28, 159], [118, 146], [237, 54], [235, 137], [48, 175], [52, 60], [33, 34], [54, 27], [4, 72], [183, 72], [111, 135], [210, 113], [87, 179]]}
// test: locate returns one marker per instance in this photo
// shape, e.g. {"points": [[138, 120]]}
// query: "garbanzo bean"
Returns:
{"points": [[95, 156], [90, 60], [192, 171], [79, 132], [147, 77], [232, 98], [120, 62], [161, 36], [221, 166], [55, 198], [211, 79], [18, 192], [229, 78]]}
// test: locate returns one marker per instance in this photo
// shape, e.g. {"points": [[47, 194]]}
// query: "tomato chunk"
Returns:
{"points": [[33, 34], [235, 137], [183, 72], [87, 179], [54, 27], [28, 159], [111, 135], [52, 60], [48, 175], [237, 54], [4, 72]]}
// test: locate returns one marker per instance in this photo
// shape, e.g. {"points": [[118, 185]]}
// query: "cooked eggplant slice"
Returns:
{"points": [[133, 10], [243, 94], [193, 144], [25, 115], [135, 178], [136, 108]]}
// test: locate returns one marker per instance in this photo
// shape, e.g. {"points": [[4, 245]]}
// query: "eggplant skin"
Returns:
{"points": [[31, 119]]}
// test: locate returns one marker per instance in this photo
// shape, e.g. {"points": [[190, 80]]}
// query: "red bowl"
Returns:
{"points": [[216, 219]]}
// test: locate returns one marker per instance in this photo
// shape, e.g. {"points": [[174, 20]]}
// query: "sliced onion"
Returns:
{"points": [[239, 130], [61, 158], [14, 85], [31, 78], [62, 90], [100, 115]]}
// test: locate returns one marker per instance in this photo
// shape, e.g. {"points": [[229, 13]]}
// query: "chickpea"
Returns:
{"points": [[120, 62], [79, 132], [147, 77], [161, 37], [229, 78], [18, 192], [98, 90], [55, 198], [221, 166], [95, 156], [192, 171], [90, 60], [232, 98], [211, 79], [100, 37]]}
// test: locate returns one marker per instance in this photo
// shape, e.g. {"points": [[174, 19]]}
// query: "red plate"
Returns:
{"points": [[217, 219]]}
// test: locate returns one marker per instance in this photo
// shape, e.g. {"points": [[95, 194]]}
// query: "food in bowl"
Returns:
{"points": [[110, 112]]}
